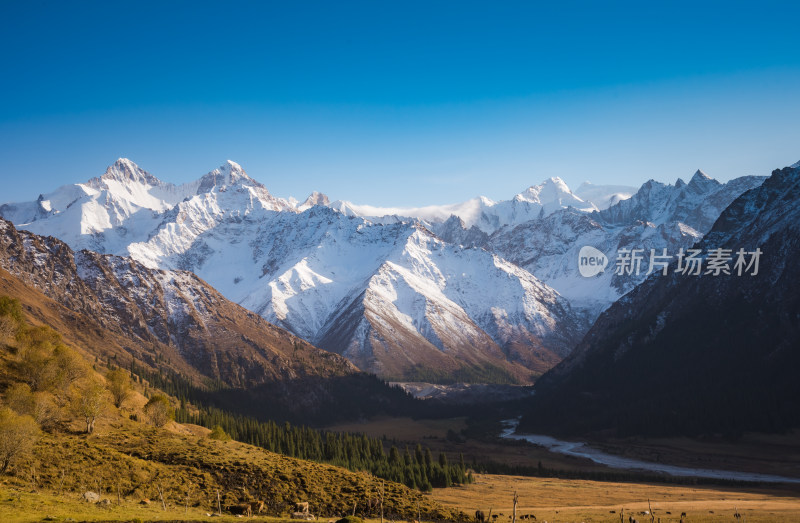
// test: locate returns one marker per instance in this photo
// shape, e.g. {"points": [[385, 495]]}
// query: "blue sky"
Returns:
{"points": [[401, 103]]}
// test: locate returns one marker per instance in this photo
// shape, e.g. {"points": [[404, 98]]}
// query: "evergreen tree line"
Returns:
{"points": [[325, 401], [356, 452]]}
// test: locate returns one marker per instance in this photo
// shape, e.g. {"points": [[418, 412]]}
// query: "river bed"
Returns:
{"points": [[582, 450]]}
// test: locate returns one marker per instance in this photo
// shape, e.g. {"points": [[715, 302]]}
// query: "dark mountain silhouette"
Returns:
{"points": [[690, 355]]}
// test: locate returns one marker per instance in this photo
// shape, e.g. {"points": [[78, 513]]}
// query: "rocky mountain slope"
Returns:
{"points": [[156, 315], [411, 302], [683, 354], [474, 291], [657, 217]]}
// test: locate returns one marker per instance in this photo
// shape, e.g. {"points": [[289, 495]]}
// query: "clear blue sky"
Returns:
{"points": [[397, 102]]}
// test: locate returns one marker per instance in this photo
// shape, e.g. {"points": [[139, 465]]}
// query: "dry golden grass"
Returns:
{"points": [[580, 500]]}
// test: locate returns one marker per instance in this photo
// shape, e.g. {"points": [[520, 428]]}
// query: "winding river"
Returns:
{"points": [[582, 450]]}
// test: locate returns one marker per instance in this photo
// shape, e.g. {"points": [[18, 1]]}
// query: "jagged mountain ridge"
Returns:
{"points": [[391, 279], [156, 315], [658, 216], [486, 215], [684, 355], [301, 271]]}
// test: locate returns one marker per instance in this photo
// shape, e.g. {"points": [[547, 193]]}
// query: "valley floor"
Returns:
{"points": [[777, 454], [552, 500], [560, 500]]}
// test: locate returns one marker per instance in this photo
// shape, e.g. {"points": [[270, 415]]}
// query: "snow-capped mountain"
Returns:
{"points": [[127, 204], [714, 353], [411, 302], [154, 315], [103, 213], [486, 215], [433, 292], [658, 217], [304, 271], [604, 196]]}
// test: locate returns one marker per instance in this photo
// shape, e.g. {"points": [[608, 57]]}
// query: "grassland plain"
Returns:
{"points": [[561, 500]]}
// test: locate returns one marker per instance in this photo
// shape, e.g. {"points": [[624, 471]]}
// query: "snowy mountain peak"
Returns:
{"points": [[795, 165], [229, 173], [699, 174], [315, 198], [125, 171], [604, 196], [550, 190], [703, 182], [233, 166], [551, 195]]}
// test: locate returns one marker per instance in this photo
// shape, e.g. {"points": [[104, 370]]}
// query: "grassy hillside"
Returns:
{"points": [[116, 310], [132, 461], [147, 471]]}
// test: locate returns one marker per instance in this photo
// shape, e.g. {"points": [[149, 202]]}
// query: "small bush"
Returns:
{"points": [[158, 410], [18, 433], [219, 434]]}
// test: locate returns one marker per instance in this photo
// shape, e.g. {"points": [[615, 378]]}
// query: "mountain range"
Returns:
{"points": [[681, 354], [477, 291], [175, 328]]}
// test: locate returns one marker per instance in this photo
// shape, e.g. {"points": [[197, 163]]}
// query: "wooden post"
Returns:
{"points": [[161, 495], [61, 484], [382, 485], [514, 513], [354, 507], [219, 504], [33, 477]]}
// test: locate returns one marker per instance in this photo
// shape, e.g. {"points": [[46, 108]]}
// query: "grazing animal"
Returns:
{"points": [[480, 517], [494, 517], [247, 509]]}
